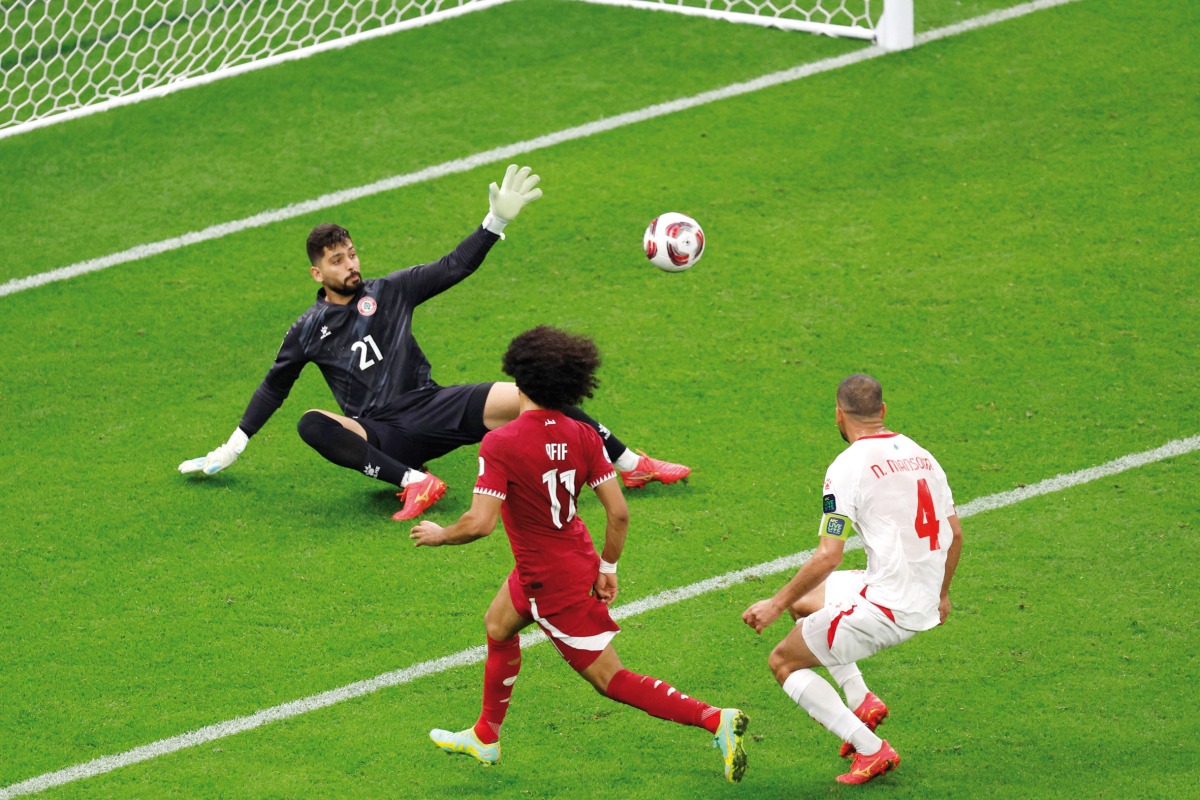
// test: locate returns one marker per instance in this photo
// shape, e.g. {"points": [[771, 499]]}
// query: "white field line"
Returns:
{"points": [[501, 154], [474, 655]]}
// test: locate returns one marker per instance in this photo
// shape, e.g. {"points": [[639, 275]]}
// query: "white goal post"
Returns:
{"points": [[61, 59]]}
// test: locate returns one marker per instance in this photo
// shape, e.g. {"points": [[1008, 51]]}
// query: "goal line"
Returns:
{"points": [[474, 655]]}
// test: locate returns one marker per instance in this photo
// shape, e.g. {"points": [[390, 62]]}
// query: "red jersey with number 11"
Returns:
{"points": [[537, 465]]}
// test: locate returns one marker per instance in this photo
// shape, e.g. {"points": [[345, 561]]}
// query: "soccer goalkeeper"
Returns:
{"points": [[395, 418]]}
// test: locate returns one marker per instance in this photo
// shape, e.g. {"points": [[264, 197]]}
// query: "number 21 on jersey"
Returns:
{"points": [[360, 347], [926, 524]]}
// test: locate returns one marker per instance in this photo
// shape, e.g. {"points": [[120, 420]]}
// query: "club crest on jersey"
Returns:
{"points": [[367, 306], [828, 504]]}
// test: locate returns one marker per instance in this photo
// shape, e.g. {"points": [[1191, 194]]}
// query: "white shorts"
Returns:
{"points": [[849, 627]]}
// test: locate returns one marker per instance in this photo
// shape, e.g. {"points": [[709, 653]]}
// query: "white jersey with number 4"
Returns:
{"points": [[894, 494]]}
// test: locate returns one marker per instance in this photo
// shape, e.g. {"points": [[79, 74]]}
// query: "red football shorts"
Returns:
{"points": [[580, 629]]}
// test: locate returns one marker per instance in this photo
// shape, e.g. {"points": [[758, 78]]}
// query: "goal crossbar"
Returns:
{"points": [[783, 23], [891, 28]]}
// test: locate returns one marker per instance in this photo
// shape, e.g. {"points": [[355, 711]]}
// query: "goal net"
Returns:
{"points": [[65, 58]]}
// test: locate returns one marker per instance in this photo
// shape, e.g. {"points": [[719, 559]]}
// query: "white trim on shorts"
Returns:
{"points": [[594, 643]]}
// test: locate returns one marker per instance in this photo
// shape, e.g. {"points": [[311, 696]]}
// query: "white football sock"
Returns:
{"points": [[626, 461], [412, 476], [849, 678], [814, 694]]}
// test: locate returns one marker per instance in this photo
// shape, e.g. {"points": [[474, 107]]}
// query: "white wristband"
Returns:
{"points": [[494, 224], [607, 568]]}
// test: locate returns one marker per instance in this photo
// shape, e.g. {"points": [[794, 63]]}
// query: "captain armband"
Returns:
{"points": [[836, 526]]}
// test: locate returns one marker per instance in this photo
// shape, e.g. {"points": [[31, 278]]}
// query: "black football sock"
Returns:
{"points": [[612, 445], [347, 449]]}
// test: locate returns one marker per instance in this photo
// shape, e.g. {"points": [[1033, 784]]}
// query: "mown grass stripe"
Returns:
{"points": [[499, 154], [474, 655]]}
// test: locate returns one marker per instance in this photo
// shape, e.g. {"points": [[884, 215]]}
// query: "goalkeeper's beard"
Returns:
{"points": [[349, 286]]}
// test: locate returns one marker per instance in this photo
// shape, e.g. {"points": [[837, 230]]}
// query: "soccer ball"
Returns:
{"points": [[674, 242]]}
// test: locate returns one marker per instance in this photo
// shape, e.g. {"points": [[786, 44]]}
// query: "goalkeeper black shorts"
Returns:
{"points": [[428, 423]]}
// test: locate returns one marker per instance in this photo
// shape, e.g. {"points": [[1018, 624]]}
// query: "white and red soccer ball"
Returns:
{"points": [[674, 242]]}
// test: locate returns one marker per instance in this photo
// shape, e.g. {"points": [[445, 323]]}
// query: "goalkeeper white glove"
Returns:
{"points": [[506, 200], [218, 459]]}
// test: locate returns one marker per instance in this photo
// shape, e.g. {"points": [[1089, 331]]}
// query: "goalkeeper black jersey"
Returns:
{"points": [[366, 349]]}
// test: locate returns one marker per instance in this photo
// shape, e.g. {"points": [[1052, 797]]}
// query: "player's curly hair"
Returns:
{"points": [[552, 367], [325, 235]]}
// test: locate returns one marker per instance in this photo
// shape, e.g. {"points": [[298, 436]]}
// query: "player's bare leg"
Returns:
{"points": [[792, 663], [482, 742], [502, 406], [659, 699]]}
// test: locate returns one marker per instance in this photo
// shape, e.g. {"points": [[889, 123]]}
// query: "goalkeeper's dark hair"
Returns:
{"points": [[323, 236], [554, 368], [860, 396]]}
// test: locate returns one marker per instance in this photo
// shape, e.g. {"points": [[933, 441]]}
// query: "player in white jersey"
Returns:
{"points": [[894, 495]]}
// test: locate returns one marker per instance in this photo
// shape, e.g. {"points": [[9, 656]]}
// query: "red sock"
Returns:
{"points": [[661, 700], [499, 675]]}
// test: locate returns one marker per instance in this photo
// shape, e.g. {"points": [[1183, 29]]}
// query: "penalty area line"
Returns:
{"points": [[504, 153], [474, 655]]}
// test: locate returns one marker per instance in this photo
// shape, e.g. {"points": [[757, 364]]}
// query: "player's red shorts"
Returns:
{"points": [[580, 630]]}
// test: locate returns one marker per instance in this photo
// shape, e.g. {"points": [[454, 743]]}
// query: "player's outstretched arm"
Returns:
{"points": [[826, 558], [267, 399], [516, 190], [479, 520], [218, 459]]}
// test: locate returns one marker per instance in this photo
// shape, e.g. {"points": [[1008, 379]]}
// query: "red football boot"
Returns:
{"points": [[420, 496], [651, 469], [865, 768], [871, 711]]}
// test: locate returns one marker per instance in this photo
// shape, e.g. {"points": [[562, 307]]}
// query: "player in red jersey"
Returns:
{"points": [[530, 474]]}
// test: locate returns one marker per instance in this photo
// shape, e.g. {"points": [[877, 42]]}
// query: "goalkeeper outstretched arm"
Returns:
{"points": [[268, 397], [516, 190]]}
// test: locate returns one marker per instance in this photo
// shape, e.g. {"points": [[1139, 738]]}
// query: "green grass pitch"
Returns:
{"points": [[1001, 226]]}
